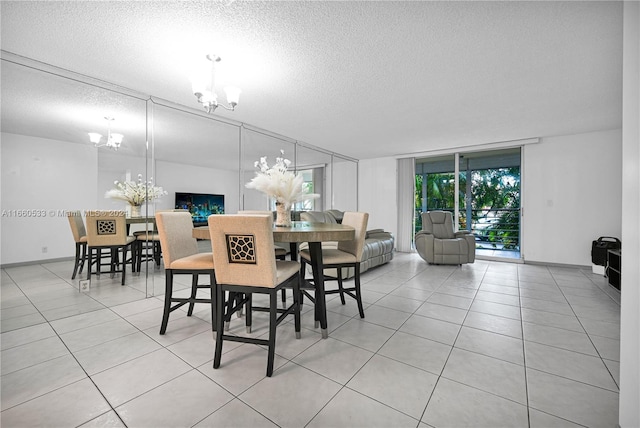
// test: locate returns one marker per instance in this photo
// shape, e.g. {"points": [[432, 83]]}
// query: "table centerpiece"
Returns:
{"points": [[135, 193], [285, 186]]}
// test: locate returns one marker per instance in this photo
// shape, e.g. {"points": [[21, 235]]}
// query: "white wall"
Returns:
{"points": [[572, 194], [345, 186], [47, 177], [176, 177], [377, 193], [630, 293]]}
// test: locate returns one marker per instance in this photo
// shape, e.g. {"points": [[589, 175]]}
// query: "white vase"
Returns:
{"points": [[135, 210], [283, 215]]}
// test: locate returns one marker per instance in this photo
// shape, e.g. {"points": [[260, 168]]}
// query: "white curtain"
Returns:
{"points": [[406, 192]]}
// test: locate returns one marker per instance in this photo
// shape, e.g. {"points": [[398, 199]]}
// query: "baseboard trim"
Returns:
{"points": [[36, 262]]}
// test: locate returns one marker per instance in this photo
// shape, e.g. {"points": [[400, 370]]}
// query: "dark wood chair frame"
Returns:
{"points": [[241, 295], [192, 299]]}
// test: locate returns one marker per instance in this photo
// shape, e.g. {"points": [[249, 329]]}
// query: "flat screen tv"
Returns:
{"points": [[200, 205]]}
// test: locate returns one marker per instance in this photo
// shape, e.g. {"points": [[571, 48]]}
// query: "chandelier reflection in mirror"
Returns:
{"points": [[203, 84], [113, 141]]}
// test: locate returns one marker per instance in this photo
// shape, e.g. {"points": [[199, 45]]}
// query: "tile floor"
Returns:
{"points": [[485, 345]]}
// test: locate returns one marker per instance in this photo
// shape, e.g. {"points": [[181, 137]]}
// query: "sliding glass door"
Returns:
{"points": [[482, 193]]}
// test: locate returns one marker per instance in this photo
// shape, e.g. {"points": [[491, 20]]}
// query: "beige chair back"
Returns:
{"points": [[359, 222], [77, 225], [439, 223], [176, 235], [106, 228], [243, 249]]}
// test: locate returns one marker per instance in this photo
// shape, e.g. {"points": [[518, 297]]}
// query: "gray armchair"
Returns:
{"points": [[438, 244]]}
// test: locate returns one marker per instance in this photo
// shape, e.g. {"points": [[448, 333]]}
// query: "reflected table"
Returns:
{"points": [[314, 234]]}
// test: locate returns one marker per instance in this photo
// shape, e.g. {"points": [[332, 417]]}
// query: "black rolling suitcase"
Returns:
{"points": [[599, 249]]}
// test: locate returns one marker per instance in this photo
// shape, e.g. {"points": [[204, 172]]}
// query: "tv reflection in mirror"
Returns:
{"points": [[200, 205]]}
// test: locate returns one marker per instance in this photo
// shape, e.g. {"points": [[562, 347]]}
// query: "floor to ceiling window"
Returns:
{"points": [[487, 202]]}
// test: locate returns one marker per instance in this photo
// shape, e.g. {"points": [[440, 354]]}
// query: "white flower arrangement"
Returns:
{"points": [[278, 182], [135, 193]]}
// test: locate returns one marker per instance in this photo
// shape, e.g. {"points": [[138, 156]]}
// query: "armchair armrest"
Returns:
{"points": [[424, 245]]}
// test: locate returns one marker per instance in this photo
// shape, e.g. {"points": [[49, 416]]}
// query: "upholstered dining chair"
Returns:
{"points": [[107, 230], [181, 257], [348, 254], [280, 252], [80, 237], [245, 265]]}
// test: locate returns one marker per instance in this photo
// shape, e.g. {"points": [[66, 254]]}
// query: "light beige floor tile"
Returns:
{"points": [[572, 365], [574, 401], [349, 408], [32, 353], [387, 381], [416, 351], [363, 334], [560, 338], [491, 344], [114, 352], [429, 328], [498, 377], [199, 397], [494, 323], [25, 335], [456, 405], [68, 406], [236, 414], [287, 399], [34, 381], [442, 312], [335, 359], [385, 317], [128, 380]]}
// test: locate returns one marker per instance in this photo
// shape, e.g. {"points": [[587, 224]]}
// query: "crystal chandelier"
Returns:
{"points": [[203, 85], [113, 141]]}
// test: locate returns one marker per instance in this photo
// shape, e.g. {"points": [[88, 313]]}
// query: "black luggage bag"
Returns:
{"points": [[600, 247]]}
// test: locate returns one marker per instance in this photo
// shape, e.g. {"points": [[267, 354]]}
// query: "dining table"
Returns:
{"points": [[314, 234]]}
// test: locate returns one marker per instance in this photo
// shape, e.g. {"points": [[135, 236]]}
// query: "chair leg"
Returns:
{"points": [[340, 287], [157, 252], [77, 262], [220, 316], [248, 319], [124, 261], [194, 291], [83, 257], [297, 296], [229, 311], [90, 262], [273, 312], [214, 321], [168, 291], [357, 286]]}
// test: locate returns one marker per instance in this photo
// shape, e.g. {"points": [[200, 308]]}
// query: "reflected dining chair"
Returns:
{"points": [[107, 230], [243, 254], [348, 254], [80, 237], [181, 257]]}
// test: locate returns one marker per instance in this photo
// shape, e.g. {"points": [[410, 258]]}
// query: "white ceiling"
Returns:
{"points": [[363, 79]]}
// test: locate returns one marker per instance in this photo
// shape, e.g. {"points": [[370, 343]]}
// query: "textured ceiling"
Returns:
{"points": [[364, 79]]}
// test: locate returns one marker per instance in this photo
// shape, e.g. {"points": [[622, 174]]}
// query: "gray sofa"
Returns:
{"points": [[378, 246]]}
